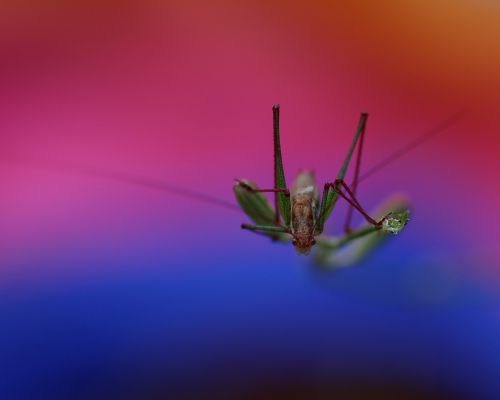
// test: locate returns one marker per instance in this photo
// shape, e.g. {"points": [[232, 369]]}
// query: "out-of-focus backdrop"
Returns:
{"points": [[109, 290]]}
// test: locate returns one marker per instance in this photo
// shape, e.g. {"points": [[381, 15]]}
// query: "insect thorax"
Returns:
{"points": [[304, 203]]}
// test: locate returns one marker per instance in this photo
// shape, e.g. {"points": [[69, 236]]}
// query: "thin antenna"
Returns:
{"points": [[413, 144], [124, 177]]}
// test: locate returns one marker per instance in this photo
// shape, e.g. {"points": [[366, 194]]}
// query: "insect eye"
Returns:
{"points": [[313, 241], [294, 242]]}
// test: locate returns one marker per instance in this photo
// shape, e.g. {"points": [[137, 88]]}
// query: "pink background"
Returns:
{"points": [[181, 92]]}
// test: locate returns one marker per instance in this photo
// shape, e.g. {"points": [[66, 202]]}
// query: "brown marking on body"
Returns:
{"points": [[304, 199]]}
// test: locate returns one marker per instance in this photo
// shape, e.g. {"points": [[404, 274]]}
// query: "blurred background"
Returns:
{"points": [[113, 290]]}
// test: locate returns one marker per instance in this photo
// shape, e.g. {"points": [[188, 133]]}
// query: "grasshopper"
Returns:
{"points": [[299, 214]]}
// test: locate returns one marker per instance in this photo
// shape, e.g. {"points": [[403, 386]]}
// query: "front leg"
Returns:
{"points": [[253, 203], [276, 233], [265, 228], [351, 248], [331, 192], [259, 210], [248, 187], [339, 186]]}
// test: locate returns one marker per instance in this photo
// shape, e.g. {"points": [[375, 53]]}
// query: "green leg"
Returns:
{"points": [[335, 244], [253, 203], [281, 196], [329, 196], [351, 199], [274, 232], [351, 248], [264, 228], [359, 131]]}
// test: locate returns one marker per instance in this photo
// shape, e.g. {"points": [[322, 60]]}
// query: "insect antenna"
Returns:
{"points": [[124, 177], [413, 144]]}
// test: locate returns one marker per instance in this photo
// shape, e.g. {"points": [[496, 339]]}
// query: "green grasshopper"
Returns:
{"points": [[299, 215]]}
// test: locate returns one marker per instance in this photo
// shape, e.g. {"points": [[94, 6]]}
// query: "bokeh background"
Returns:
{"points": [[111, 290]]}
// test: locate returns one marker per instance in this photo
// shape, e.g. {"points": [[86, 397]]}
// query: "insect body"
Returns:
{"points": [[299, 214], [304, 206]]}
